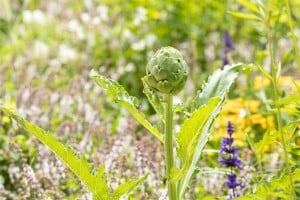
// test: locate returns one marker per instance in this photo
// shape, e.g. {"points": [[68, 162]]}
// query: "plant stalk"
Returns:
{"points": [[168, 129], [278, 109], [294, 37]]}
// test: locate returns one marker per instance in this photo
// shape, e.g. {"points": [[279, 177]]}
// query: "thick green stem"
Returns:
{"points": [[168, 129], [278, 109]]}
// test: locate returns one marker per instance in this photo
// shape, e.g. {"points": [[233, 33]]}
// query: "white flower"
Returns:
{"points": [[40, 50], [85, 17], [36, 16], [96, 21], [150, 39], [76, 28], [127, 35], [66, 53], [147, 41], [103, 12], [140, 16]]}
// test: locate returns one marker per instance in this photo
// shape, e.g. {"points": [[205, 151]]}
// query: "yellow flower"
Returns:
{"points": [[244, 114], [252, 105], [232, 106], [261, 82], [286, 82]]}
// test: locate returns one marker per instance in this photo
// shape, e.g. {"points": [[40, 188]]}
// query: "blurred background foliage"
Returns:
{"points": [[47, 49]]}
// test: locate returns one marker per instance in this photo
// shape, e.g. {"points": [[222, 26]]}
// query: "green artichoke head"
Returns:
{"points": [[166, 71]]}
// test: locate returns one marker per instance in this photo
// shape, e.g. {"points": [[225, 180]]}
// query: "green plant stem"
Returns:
{"points": [[278, 109], [294, 38], [168, 129]]}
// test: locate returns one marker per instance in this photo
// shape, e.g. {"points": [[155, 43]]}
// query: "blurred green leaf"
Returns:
{"points": [[288, 100], [249, 5], [122, 98], [127, 187], [245, 15]]}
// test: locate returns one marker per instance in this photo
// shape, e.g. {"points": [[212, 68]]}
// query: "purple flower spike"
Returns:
{"points": [[231, 162], [230, 128], [229, 46], [231, 183], [230, 159], [225, 61]]}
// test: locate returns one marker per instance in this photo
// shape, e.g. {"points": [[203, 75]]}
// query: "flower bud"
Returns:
{"points": [[166, 71]]}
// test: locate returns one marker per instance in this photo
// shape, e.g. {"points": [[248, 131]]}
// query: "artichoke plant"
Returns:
{"points": [[166, 71]]}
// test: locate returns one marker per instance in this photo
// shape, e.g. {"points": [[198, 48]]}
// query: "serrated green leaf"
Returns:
{"points": [[127, 187], [190, 134], [245, 15], [79, 166], [154, 100], [217, 86], [121, 97]]}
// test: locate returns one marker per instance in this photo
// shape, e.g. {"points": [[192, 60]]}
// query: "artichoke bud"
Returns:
{"points": [[166, 71]]}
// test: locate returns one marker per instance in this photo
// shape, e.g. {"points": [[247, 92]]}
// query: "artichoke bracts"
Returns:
{"points": [[166, 71]]}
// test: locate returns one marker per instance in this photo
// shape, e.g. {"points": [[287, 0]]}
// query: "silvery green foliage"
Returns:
{"points": [[166, 71]]}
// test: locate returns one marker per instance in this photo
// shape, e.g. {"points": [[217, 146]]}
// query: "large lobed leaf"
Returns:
{"points": [[189, 135], [96, 183], [121, 97], [216, 87]]}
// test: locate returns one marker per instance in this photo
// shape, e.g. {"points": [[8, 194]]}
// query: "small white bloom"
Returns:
{"points": [[138, 46], [243, 113], [127, 35], [96, 21], [103, 12], [36, 16], [85, 17], [140, 16], [40, 50], [150, 39], [129, 67], [76, 28], [66, 53]]}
